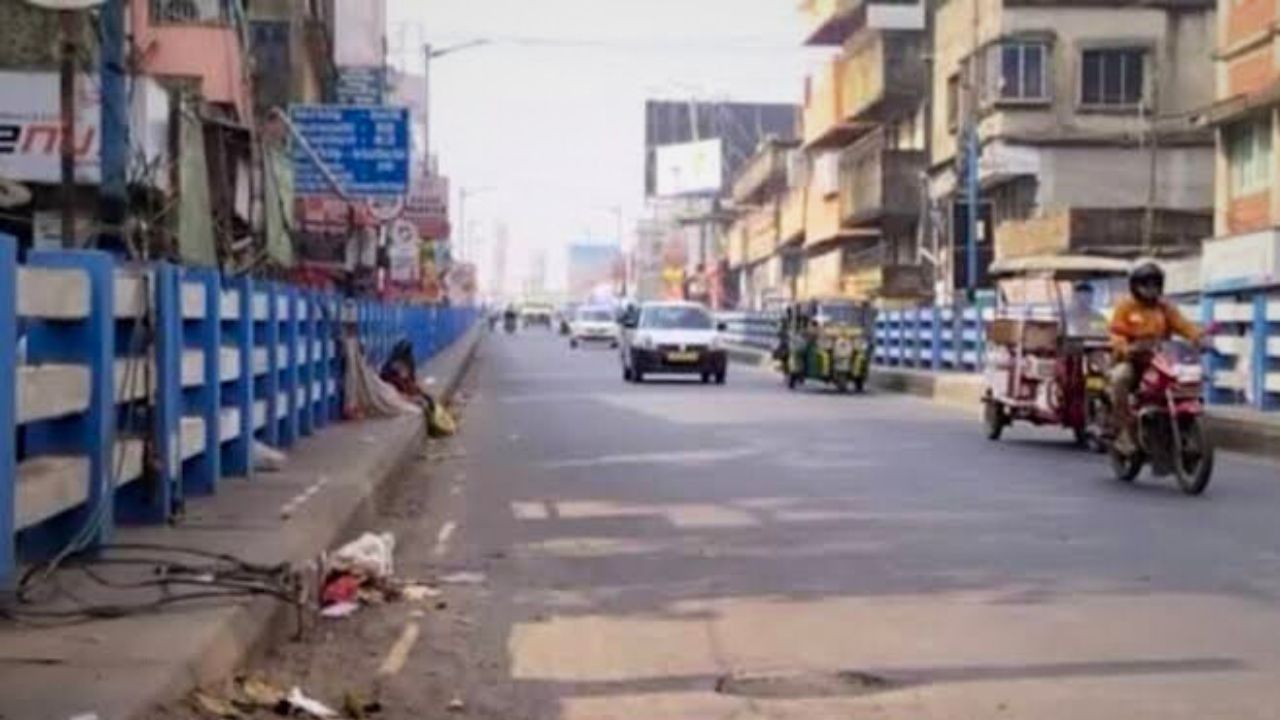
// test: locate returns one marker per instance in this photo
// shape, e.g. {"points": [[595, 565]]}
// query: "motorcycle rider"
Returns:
{"points": [[1138, 321]]}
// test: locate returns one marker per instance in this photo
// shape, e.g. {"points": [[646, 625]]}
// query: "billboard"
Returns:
{"points": [[739, 126], [695, 168], [594, 270], [31, 127]]}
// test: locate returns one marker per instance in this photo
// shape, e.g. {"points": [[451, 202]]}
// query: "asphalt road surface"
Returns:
{"points": [[674, 550]]}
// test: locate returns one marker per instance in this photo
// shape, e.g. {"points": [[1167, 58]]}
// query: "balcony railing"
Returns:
{"points": [[878, 182]]}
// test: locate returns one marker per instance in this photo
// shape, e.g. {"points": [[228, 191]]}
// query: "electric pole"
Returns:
{"points": [[69, 26], [114, 150]]}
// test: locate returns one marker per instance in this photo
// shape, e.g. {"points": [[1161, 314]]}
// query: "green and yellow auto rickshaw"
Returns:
{"points": [[827, 341]]}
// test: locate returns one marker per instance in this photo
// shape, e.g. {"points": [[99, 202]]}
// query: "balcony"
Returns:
{"points": [[763, 173], [899, 282], [1113, 231], [834, 21], [877, 182], [825, 123], [831, 20], [761, 233], [884, 76], [791, 217]]}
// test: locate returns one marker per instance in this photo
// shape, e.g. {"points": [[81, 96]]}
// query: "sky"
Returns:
{"points": [[548, 118]]}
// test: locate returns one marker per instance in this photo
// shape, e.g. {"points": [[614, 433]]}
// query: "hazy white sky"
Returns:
{"points": [[551, 115]]}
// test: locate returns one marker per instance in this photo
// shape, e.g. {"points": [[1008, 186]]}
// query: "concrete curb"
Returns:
{"points": [[132, 665]]}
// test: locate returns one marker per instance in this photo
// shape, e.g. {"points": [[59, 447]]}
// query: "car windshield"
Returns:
{"points": [[675, 318], [595, 316]]}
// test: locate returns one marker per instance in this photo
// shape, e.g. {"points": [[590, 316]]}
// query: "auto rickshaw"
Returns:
{"points": [[826, 341], [1048, 350]]}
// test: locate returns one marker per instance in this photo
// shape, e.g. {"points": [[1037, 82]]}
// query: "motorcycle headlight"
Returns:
{"points": [[844, 346]]}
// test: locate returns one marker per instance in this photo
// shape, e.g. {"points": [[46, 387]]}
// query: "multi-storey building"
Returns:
{"points": [[1247, 116], [1086, 119], [865, 144]]}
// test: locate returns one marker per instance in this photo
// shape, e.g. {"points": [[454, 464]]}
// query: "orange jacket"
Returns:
{"points": [[1133, 321]]}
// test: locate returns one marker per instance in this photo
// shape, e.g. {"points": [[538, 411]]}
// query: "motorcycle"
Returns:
{"points": [[1169, 422]]}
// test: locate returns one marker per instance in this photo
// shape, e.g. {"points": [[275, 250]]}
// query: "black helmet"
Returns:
{"points": [[1146, 282]]}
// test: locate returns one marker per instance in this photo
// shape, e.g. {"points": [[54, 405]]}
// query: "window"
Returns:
{"points": [[188, 11], [1112, 78], [953, 102], [1020, 71], [1249, 157]]}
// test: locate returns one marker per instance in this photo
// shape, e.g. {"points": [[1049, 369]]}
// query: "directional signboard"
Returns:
{"points": [[364, 149]]}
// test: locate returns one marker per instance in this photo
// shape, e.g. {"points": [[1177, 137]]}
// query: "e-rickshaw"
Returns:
{"points": [[826, 341], [1046, 360]]}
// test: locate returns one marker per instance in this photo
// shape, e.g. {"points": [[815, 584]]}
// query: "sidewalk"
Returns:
{"points": [[1239, 429], [120, 669]]}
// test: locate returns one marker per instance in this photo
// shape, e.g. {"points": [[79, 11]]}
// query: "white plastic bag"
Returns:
{"points": [[369, 555]]}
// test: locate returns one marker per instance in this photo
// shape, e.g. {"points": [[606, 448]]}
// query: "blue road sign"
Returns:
{"points": [[361, 86], [366, 149]]}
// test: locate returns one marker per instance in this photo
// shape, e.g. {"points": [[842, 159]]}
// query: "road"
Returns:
{"points": [[673, 550]]}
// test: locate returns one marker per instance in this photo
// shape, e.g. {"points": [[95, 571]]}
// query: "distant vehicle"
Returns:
{"points": [[536, 314], [678, 338], [594, 324]]}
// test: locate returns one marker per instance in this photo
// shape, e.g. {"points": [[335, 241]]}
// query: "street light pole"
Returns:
{"points": [[430, 53]]}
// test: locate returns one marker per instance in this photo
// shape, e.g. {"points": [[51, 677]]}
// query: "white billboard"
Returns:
{"points": [[31, 127], [689, 168]]}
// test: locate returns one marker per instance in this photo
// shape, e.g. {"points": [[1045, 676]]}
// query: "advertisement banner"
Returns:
{"points": [[427, 206], [31, 127], [690, 168]]}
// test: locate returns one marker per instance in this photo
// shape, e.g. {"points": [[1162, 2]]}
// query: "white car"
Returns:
{"points": [[677, 338], [593, 325]]}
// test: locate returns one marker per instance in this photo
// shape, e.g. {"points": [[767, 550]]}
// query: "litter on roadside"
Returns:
{"points": [[214, 707], [419, 593], [340, 610], [86, 716], [255, 693], [370, 555], [462, 578], [456, 705], [296, 702], [267, 458]]}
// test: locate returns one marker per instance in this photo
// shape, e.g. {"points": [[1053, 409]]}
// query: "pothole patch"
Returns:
{"points": [[844, 683]]}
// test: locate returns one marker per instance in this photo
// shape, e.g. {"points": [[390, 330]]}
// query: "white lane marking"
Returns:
{"points": [[288, 509], [444, 536], [657, 458], [399, 653]]}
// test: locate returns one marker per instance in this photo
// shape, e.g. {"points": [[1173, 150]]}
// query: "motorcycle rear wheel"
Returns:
{"points": [[1193, 464]]}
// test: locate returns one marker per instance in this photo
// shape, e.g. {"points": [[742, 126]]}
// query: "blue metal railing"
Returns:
{"points": [[106, 361]]}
